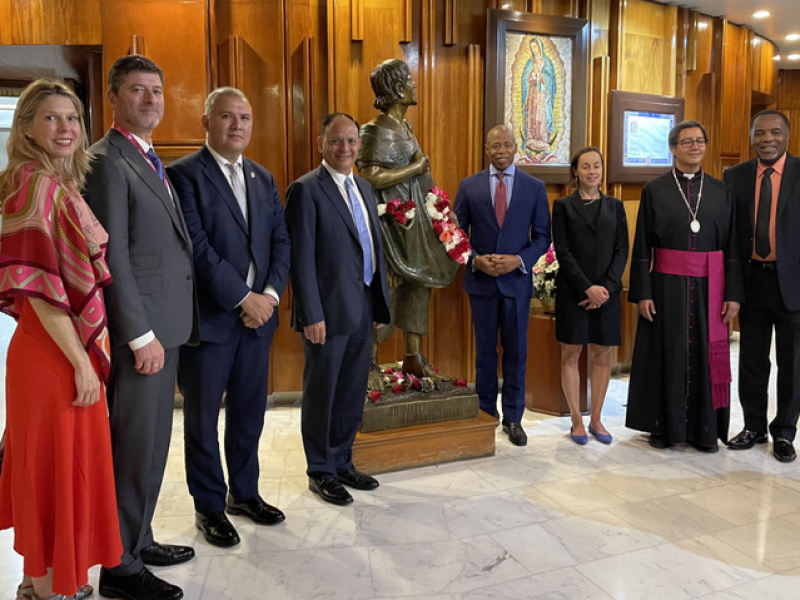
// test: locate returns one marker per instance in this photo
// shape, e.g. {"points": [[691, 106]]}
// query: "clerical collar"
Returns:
{"points": [[688, 176]]}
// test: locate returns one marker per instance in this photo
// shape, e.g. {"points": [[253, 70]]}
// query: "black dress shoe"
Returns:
{"points": [[658, 441], [217, 529], [746, 439], [358, 480], [166, 555], [330, 490], [783, 450], [257, 510], [141, 586], [702, 448], [516, 434]]}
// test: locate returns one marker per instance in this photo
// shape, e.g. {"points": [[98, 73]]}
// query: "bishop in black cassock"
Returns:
{"points": [[680, 380]]}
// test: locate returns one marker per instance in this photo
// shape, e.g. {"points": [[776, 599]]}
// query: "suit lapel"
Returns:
{"points": [[788, 181], [255, 190], [577, 205], [328, 185], [142, 167], [485, 199], [749, 184], [214, 174]]}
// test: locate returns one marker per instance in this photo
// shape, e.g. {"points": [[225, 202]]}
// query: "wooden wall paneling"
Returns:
{"points": [[616, 43], [179, 25], [406, 21], [137, 45], [302, 96], [450, 22], [357, 20], [735, 95], [598, 123], [531, 6], [50, 22], [788, 102], [230, 68], [649, 48]]}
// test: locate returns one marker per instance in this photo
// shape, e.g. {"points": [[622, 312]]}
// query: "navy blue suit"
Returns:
{"points": [[503, 302], [231, 357], [328, 285]]}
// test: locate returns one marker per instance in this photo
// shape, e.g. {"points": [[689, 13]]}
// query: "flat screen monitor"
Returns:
{"points": [[646, 139], [638, 140]]}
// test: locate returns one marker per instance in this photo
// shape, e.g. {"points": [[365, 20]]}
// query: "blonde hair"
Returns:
{"points": [[22, 149]]}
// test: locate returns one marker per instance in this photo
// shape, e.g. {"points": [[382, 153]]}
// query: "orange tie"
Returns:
{"points": [[500, 202]]}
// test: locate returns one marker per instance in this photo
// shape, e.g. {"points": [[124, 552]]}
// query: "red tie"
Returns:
{"points": [[500, 202]]}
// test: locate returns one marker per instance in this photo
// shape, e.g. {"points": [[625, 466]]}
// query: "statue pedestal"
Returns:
{"points": [[543, 380], [424, 445]]}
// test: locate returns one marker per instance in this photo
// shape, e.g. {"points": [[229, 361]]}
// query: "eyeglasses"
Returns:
{"points": [[505, 146], [689, 142], [351, 142]]}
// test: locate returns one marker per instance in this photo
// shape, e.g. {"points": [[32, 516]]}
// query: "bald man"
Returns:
{"points": [[505, 213]]}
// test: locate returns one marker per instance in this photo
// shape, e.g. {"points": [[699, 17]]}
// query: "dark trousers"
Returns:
{"points": [[763, 311], [334, 389], [510, 316], [140, 412], [240, 367]]}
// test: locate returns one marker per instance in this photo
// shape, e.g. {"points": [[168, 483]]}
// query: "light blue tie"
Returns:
{"points": [[361, 227]]}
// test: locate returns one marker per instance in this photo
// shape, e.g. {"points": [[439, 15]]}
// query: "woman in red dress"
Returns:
{"points": [[57, 482]]}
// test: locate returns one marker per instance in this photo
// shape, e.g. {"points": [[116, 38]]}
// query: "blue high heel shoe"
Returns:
{"points": [[581, 440], [603, 438]]}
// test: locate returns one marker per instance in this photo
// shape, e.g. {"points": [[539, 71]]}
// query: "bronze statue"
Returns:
{"points": [[392, 161]]}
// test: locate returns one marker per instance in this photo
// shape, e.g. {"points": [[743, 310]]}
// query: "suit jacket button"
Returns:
{"points": [[188, 278]]}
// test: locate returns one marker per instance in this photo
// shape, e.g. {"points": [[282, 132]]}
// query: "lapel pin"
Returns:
{"points": [[252, 175]]}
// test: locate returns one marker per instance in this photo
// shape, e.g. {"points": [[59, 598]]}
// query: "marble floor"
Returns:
{"points": [[549, 521]]}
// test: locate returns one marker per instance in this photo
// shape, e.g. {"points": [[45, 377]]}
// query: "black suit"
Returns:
{"points": [[231, 357], [772, 300], [150, 258], [327, 276]]}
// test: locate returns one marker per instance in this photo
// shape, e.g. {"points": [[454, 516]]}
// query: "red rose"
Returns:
{"points": [[416, 384], [375, 395], [401, 218], [397, 389], [461, 383], [438, 226]]}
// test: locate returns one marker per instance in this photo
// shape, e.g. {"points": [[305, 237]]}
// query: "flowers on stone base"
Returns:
{"points": [[398, 382]]}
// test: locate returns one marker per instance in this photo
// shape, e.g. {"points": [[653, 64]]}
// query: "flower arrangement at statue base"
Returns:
{"points": [[395, 382], [544, 280]]}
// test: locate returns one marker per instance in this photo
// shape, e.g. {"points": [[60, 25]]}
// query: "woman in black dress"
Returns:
{"points": [[590, 235]]}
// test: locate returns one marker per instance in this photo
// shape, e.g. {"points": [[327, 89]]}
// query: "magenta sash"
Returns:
{"points": [[712, 266]]}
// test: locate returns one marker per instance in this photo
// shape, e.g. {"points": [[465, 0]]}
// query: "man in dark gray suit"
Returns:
{"points": [[151, 312], [340, 294]]}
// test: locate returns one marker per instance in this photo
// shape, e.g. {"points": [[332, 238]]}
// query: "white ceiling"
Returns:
{"points": [[784, 19]]}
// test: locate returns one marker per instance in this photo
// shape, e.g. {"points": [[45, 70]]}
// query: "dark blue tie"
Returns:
{"points": [[151, 154], [361, 228]]}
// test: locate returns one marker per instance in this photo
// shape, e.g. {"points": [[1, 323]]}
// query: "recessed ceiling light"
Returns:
{"points": [[792, 37], [761, 14], [794, 57]]}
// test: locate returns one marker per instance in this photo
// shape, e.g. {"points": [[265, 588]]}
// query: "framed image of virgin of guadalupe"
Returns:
{"points": [[536, 81]]}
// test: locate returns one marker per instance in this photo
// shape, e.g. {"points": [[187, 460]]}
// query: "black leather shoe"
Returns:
{"points": [[358, 480], [257, 510], [516, 434], [330, 490], [217, 529], [783, 450], [658, 441], [166, 555], [701, 448], [746, 439], [142, 586]]}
